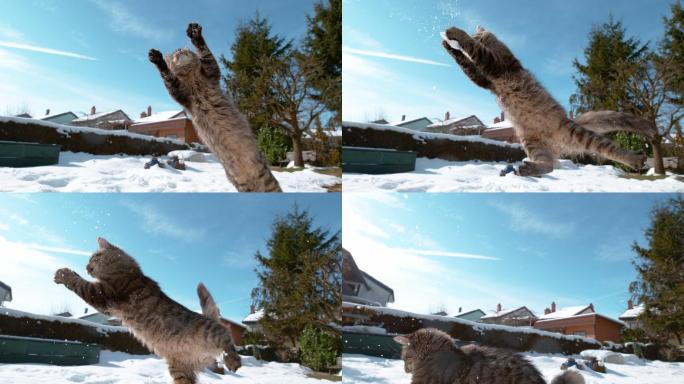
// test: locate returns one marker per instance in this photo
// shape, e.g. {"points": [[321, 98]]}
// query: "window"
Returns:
{"points": [[580, 333]]}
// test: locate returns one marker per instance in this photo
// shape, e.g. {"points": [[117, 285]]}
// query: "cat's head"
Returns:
{"points": [[420, 344], [109, 262], [183, 62], [500, 49]]}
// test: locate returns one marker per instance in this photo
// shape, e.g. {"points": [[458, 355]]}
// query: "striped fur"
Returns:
{"points": [[432, 357], [193, 80], [540, 122], [187, 340]]}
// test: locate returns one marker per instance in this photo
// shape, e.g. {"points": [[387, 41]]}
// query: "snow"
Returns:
{"points": [[633, 313], [100, 327], [564, 312], [436, 175], [122, 368], [377, 370], [502, 312], [83, 172], [611, 357], [66, 129], [161, 116], [501, 125], [452, 43], [254, 317], [402, 122], [367, 329], [95, 116], [422, 136]]}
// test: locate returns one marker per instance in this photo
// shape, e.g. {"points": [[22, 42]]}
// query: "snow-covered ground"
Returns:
{"points": [[376, 370], [435, 175], [118, 367], [82, 172]]}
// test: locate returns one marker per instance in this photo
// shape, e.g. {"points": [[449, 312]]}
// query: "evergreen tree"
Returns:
{"points": [[601, 82], [248, 73], [672, 47], [324, 42], [299, 279], [660, 266]]}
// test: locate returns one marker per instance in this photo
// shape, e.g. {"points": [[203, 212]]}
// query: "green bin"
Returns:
{"points": [[371, 345], [377, 160], [18, 349], [18, 154]]}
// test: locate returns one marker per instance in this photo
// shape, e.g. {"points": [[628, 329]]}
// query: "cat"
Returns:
{"points": [[193, 81], [187, 340], [539, 121], [433, 358]]}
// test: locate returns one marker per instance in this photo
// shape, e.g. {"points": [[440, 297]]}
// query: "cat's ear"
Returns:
{"points": [[103, 243], [480, 29], [402, 339]]}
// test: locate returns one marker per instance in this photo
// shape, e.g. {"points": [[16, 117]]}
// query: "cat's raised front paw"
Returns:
{"points": [[194, 32], [155, 56], [62, 275], [454, 33]]}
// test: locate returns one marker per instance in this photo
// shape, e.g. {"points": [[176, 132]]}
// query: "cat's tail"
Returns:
{"points": [[603, 122], [568, 377], [209, 307]]}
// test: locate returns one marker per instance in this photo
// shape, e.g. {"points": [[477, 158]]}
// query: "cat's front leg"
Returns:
{"points": [[91, 293], [172, 83], [478, 53], [467, 66], [210, 67]]}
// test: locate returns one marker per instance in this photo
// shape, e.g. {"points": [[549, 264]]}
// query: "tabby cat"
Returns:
{"points": [[187, 340], [193, 81], [539, 121], [433, 358]]}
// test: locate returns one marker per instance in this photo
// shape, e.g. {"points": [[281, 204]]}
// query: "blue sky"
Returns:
{"points": [[71, 55], [545, 35], [179, 240], [477, 250]]}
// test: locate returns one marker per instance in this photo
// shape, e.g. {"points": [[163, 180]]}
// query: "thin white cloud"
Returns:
{"points": [[4, 227], [522, 219], [61, 250], [457, 255], [124, 21], [50, 51], [392, 56], [156, 222]]}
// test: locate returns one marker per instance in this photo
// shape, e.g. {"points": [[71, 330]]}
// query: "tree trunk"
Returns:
{"points": [[297, 151], [658, 155]]}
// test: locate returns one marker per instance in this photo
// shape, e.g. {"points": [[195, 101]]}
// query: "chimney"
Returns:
{"points": [[498, 308], [403, 117], [47, 111], [93, 110], [503, 117], [143, 114], [547, 311], [149, 110], [553, 306], [447, 116], [86, 311], [497, 120], [630, 304], [251, 309], [459, 309]]}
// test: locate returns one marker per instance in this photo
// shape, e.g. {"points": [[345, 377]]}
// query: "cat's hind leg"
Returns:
{"points": [[541, 159], [582, 140], [467, 66], [172, 83], [181, 374], [210, 67]]}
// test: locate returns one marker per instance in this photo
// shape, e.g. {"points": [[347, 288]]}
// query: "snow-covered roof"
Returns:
{"points": [[567, 312], [501, 125], [98, 115], [504, 312], [100, 327], [161, 116], [632, 313], [50, 116], [581, 316], [403, 122], [453, 120], [254, 317]]}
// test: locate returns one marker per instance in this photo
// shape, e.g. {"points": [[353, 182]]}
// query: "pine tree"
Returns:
{"points": [[324, 42], [672, 47], [299, 279], [660, 267], [248, 73]]}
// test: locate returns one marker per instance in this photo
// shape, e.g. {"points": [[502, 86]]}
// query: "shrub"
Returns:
{"points": [[320, 349], [273, 143]]}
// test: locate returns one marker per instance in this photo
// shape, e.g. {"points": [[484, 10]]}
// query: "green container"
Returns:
{"points": [[371, 345], [377, 160], [17, 154], [16, 350]]}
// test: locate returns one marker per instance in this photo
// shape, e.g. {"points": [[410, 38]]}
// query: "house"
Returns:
{"points": [[417, 124], [474, 315], [101, 318], [251, 322], [5, 293], [517, 317], [237, 331], [59, 118], [176, 124], [463, 126], [360, 287], [631, 316], [104, 120], [24, 115], [501, 130], [580, 321]]}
